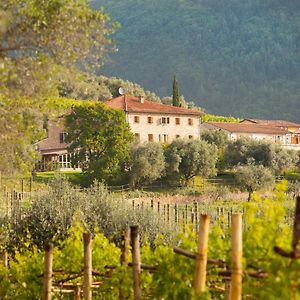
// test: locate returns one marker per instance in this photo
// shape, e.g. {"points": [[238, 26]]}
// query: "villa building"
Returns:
{"points": [[284, 133], [152, 121], [149, 121]]}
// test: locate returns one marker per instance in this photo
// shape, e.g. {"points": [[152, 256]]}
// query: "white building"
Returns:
{"points": [[151, 121], [275, 131]]}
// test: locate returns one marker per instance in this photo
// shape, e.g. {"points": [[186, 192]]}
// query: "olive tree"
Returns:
{"points": [[246, 151], [147, 163], [215, 137], [253, 177], [188, 158], [220, 139]]}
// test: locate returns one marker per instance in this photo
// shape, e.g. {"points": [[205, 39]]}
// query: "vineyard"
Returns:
{"points": [[69, 243]]}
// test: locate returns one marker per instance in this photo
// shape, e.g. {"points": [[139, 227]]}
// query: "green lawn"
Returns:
{"points": [[44, 177]]}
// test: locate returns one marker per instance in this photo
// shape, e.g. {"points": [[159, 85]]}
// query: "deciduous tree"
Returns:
{"points": [[100, 137], [38, 37]]}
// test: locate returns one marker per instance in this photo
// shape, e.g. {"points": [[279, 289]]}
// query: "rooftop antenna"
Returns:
{"points": [[121, 91]]}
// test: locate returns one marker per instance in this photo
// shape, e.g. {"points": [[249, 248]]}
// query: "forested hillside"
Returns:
{"points": [[233, 57]]}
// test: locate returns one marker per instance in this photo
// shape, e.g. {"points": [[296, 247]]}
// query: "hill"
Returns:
{"points": [[234, 57]]}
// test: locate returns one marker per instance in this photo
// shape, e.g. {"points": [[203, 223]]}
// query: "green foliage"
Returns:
{"points": [[23, 280], [176, 94], [20, 127], [234, 58], [253, 177], [91, 87], [147, 163], [99, 137], [188, 158], [51, 213], [265, 225], [42, 38], [215, 118], [218, 138], [245, 151]]}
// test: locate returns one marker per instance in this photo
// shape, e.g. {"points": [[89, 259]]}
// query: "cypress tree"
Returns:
{"points": [[176, 100]]}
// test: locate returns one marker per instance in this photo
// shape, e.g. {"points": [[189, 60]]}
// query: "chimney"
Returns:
{"points": [[142, 100]]}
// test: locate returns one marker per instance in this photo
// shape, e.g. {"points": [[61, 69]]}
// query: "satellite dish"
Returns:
{"points": [[121, 91]]}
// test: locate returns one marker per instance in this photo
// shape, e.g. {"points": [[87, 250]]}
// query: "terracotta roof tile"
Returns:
{"points": [[248, 128], [276, 123], [134, 104]]}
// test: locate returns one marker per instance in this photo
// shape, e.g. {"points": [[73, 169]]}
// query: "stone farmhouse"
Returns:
{"points": [[284, 133], [149, 121]]}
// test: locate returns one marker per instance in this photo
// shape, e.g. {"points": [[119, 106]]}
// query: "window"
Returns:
{"points": [[190, 137], [177, 136], [137, 137], [62, 137], [190, 121], [165, 120], [64, 161], [177, 121], [136, 119], [150, 137], [165, 138], [150, 120]]}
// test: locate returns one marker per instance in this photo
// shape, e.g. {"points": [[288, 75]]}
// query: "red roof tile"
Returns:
{"points": [[134, 104], [248, 128], [276, 123]]}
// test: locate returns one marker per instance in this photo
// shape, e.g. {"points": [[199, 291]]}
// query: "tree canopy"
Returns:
{"points": [[42, 41], [254, 177], [245, 151], [39, 39], [147, 163], [99, 137], [237, 58], [176, 93], [188, 158]]}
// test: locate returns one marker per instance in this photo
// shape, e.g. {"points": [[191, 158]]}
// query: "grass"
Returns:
{"points": [[16, 183], [73, 176]]}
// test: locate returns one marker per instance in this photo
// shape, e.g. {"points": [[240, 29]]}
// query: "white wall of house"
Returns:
{"points": [[278, 139], [285, 140], [163, 127]]}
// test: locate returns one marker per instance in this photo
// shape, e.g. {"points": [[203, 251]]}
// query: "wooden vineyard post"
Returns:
{"points": [[136, 262], [175, 214], [77, 291], [87, 273], [201, 259], [4, 258], [236, 257], [30, 184], [47, 281], [125, 247], [22, 187]]}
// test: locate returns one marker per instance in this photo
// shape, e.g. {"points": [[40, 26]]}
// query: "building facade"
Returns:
{"points": [[149, 121], [266, 130]]}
